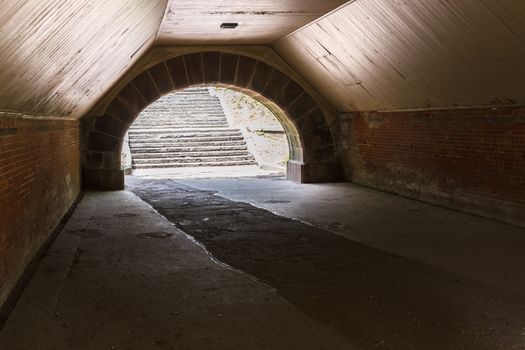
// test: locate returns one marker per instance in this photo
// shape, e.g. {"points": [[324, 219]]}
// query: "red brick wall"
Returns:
{"points": [[468, 159], [39, 180]]}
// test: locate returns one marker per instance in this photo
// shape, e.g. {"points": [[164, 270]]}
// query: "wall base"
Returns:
{"points": [[469, 159], [314, 172], [103, 179]]}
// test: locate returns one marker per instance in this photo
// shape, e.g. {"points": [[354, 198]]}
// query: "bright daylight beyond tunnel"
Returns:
{"points": [[205, 131]]}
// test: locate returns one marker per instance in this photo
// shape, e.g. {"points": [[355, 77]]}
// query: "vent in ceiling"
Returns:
{"points": [[229, 25]]}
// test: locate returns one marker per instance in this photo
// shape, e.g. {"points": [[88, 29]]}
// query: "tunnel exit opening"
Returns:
{"points": [[209, 131], [313, 156]]}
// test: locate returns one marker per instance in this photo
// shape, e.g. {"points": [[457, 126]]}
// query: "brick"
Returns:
{"points": [[110, 125], [91, 178], [291, 92], [146, 87], [211, 65], [111, 180], [121, 110], [260, 77], [103, 143], [194, 68], [111, 160], [93, 160], [39, 180], [132, 98], [245, 70], [302, 105], [161, 78], [316, 119], [228, 68], [275, 85], [177, 70], [476, 153]]}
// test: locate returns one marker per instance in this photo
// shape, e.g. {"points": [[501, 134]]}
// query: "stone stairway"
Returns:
{"points": [[186, 129]]}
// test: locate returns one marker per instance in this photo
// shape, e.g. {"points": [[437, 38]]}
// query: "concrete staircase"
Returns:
{"points": [[186, 129]]}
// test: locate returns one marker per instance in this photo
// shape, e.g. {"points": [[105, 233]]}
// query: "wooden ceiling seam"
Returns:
{"points": [[313, 21], [413, 55], [166, 10], [197, 22]]}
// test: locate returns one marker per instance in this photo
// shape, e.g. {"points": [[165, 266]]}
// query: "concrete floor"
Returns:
{"points": [[122, 276], [206, 172], [480, 248]]}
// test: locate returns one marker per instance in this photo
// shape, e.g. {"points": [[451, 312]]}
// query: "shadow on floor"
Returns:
{"points": [[387, 301]]}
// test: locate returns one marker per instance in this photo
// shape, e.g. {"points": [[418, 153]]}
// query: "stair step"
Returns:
{"points": [[139, 150], [187, 119], [180, 121], [170, 114], [184, 154], [168, 131], [178, 124], [187, 165], [183, 160], [187, 144], [186, 136], [176, 141], [188, 128], [193, 138], [185, 126]]}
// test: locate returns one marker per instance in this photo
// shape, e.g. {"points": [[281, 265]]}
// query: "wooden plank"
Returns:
{"points": [[414, 54], [191, 22], [58, 57]]}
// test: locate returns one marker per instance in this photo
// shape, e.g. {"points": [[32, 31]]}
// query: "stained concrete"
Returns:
{"points": [[124, 274], [480, 248], [120, 276], [385, 300]]}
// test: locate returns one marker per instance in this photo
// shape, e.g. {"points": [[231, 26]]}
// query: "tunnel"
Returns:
{"points": [[397, 223]]}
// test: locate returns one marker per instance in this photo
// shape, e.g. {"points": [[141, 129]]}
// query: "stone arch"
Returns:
{"points": [[312, 159]]}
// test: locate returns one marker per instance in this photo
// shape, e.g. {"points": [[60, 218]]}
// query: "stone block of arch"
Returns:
{"points": [[312, 148]]}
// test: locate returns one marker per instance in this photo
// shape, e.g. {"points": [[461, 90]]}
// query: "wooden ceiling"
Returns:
{"points": [[384, 55], [198, 22], [59, 57]]}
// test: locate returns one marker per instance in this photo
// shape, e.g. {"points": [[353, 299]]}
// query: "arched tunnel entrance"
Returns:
{"points": [[210, 131], [313, 155]]}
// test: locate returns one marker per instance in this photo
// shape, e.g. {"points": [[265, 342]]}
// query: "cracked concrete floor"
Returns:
{"points": [[476, 247], [120, 276], [384, 300]]}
